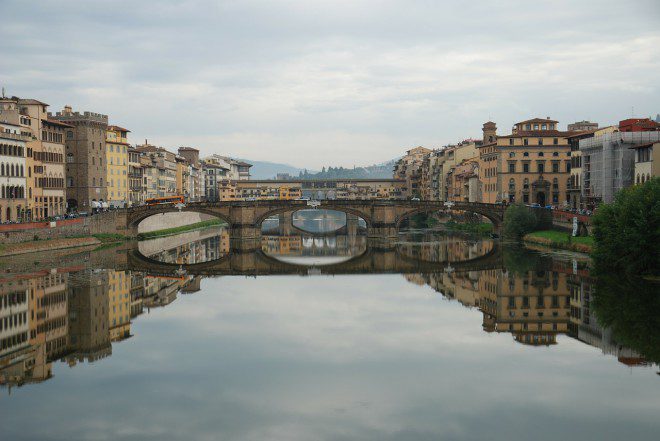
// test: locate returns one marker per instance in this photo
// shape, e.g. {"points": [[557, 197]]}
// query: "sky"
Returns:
{"points": [[314, 83]]}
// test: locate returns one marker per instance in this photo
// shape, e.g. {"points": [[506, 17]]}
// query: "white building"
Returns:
{"points": [[13, 169]]}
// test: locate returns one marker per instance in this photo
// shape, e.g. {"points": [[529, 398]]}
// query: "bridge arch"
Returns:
{"points": [[494, 218], [137, 215], [326, 206]]}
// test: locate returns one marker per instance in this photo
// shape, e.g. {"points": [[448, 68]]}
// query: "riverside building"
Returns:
{"points": [[86, 167], [13, 202], [116, 158], [531, 165]]}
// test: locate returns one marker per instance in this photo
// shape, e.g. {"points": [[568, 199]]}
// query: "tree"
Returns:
{"points": [[627, 232], [518, 221], [630, 306]]}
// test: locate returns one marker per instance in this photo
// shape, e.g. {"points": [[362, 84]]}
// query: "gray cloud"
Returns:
{"points": [[332, 82]]}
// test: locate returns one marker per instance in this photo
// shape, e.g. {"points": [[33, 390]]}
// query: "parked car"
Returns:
{"points": [[415, 199]]}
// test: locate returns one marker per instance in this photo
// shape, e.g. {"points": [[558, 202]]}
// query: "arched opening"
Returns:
{"points": [[183, 237], [314, 221], [313, 237], [446, 220], [540, 198]]}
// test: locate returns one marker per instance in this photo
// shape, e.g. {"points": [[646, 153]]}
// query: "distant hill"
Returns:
{"points": [[269, 170], [378, 171]]}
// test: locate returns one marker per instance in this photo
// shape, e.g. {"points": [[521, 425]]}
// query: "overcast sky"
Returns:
{"points": [[339, 82]]}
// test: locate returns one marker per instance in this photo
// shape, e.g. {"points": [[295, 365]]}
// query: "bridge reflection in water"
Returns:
{"points": [[533, 298], [302, 253]]}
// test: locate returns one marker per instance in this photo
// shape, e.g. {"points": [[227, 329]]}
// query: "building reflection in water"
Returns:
{"points": [[74, 315], [188, 248]]}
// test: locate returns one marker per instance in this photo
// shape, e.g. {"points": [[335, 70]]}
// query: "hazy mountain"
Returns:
{"points": [[268, 170], [378, 171]]}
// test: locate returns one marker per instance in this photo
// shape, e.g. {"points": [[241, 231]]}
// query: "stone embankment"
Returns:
{"points": [[105, 223], [46, 245]]}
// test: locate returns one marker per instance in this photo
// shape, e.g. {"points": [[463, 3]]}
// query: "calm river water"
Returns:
{"points": [[440, 337]]}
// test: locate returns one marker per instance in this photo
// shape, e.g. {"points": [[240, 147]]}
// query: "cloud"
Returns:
{"points": [[332, 82]]}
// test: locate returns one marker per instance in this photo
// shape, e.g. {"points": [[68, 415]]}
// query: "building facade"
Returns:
{"points": [[646, 162], [86, 167], [531, 165], [13, 183], [136, 185], [44, 155], [116, 155]]}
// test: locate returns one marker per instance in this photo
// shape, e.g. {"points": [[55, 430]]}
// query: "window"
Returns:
{"points": [[540, 141], [544, 126], [555, 141], [555, 167], [512, 167], [525, 141], [526, 154], [510, 141], [541, 154], [555, 153], [541, 167], [526, 167], [69, 134]]}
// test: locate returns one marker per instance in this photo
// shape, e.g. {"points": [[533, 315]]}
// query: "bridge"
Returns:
{"points": [[257, 263], [382, 217]]}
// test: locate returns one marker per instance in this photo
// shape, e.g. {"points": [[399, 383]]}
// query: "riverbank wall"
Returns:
{"points": [[112, 222]]}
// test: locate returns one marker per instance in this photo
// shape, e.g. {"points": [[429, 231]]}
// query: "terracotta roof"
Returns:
{"points": [[30, 101], [537, 120], [646, 144], [118, 129], [56, 122], [583, 133]]}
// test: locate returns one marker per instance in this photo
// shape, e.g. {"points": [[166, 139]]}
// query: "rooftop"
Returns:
{"points": [[538, 120]]}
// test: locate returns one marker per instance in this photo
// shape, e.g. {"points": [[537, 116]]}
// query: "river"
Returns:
{"points": [[319, 335]]}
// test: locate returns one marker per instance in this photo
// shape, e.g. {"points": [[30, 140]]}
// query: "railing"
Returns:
{"points": [[567, 216]]}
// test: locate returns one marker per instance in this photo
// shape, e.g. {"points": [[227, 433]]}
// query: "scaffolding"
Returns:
{"points": [[608, 164]]}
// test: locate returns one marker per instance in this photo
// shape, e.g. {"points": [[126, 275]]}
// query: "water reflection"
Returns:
{"points": [[379, 329], [303, 249], [197, 246]]}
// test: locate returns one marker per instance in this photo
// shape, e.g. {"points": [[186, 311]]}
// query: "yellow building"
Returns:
{"points": [[530, 165], [116, 156], [119, 310], [647, 161], [182, 177]]}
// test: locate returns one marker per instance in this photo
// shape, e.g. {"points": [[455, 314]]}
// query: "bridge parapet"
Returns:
{"points": [[383, 217]]}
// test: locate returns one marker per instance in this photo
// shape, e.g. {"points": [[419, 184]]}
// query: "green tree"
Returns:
{"points": [[518, 221], [630, 306], [627, 232]]}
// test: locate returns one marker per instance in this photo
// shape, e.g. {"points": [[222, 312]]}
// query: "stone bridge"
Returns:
{"points": [[256, 263], [244, 218]]}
